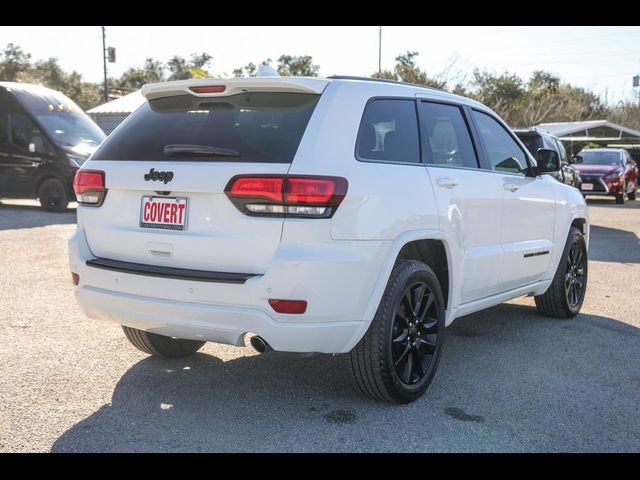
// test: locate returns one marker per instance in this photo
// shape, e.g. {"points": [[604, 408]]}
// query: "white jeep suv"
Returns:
{"points": [[337, 215]]}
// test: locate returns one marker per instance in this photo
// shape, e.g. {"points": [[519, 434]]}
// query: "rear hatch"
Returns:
{"points": [[166, 168]]}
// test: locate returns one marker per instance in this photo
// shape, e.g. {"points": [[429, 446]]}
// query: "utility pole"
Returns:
{"points": [[104, 64], [379, 50]]}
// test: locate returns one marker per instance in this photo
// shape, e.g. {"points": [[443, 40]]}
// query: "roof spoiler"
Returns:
{"points": [[222, 87]]}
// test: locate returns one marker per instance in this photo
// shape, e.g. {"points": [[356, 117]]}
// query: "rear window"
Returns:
{"points": [[530, 141], [257, 127]]}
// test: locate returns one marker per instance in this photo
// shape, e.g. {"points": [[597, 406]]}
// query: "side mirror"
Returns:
{"points": [[548, 161], [576, 159]]}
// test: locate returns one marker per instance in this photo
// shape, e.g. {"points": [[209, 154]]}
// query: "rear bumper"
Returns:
{"points": [[336, 278], [212, 323]]}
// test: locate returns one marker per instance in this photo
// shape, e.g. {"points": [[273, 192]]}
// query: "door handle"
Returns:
{"points": [[447, 182], [511, 187]]}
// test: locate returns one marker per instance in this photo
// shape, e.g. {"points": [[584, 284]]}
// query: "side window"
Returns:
{"points": [[562, 151], [24, 132], [445, 134], [504, 154], [389, 132]]}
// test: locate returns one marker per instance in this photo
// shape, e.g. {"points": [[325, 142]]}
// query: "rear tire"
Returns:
{"points": [[53, 195], [160, 345], [397, 358], [632, 195], [558, 301]]}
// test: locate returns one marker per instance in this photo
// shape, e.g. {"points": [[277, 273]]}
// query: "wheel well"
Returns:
{"points": [[46, 176], [579, 224], [432, 253]]}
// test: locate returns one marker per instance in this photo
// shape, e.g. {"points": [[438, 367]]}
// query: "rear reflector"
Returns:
{"points": [[289, 306], [209, 89], [308, 196], [89, 187], [75, 278]]}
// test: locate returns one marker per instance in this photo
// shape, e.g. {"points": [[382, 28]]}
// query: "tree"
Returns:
{"points": [[388, 74], [250, 69], [301, 66], [13, 62], [133, 78], [407, 71], [183, 69], [504, 93]]}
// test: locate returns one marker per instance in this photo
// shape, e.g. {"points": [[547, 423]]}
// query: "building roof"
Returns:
{"points": [[590, 130], [125, 104]]}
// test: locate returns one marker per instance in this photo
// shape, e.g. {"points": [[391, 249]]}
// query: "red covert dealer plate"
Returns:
{"points": [[587, 186], [163, 212]]}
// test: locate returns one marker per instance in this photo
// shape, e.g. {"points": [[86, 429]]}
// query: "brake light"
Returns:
{"points": [[89, 187], [306, 196], [209, 89], [269, 188]]}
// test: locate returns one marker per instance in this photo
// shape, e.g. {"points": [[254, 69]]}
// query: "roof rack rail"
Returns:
{"points": [[382, 80]]}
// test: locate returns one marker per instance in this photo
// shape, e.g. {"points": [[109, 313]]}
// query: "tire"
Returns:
{"points": [[373, 358], [621, 197], [53, 195], [160, 345], [557, 301], [632, 195]]}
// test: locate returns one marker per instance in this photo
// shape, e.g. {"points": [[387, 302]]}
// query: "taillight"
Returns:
{"points": [[89, 187], [306, 196]]}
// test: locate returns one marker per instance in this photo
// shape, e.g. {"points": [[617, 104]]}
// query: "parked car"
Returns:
{"points": [[337, 215], [44, 138], [535, 138], [608, 171]]}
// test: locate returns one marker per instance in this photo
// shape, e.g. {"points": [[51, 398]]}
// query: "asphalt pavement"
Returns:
{"points": [[509, 380]]}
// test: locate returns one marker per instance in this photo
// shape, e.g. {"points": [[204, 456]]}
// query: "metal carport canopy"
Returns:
{"points": [[592, 131]]}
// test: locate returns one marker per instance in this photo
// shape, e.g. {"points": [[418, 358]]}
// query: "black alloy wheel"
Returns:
{"points": [[414, 333], [574, 279]]}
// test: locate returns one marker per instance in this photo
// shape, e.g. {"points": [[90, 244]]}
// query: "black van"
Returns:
{"points": [[44, 138]]}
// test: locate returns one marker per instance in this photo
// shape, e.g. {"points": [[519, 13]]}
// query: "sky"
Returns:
{"points": [[602, 59]]}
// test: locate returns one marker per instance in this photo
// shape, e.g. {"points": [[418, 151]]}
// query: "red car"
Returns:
{"points": [[608, 171]]}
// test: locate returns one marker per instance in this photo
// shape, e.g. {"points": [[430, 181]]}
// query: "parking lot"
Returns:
{"points": [[510, 380]]}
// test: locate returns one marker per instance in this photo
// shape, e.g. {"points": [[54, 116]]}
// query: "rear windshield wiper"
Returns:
{"points": [[207, 150]]}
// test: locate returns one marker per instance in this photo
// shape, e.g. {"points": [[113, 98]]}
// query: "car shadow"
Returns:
{"points": [[13, 216], [610, 202], [509, 380], [608, 244]]}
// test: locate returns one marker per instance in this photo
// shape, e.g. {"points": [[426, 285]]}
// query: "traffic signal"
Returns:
{"points": [[111, 54]]}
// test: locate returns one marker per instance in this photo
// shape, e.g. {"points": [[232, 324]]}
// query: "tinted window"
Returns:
{"points": [[389, 132], [24, 132], [600, 158], [445, 136], [260, 127], [4, 133], [65, 122], [562, 151], [531, 142], [503, 153]]}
